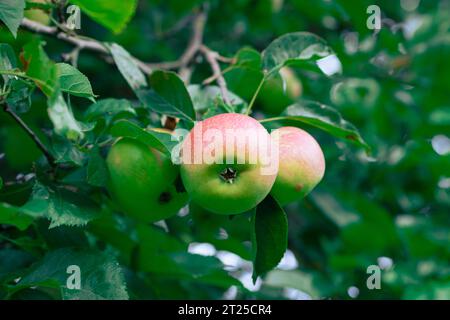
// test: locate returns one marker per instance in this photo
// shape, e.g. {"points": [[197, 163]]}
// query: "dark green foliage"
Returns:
{"points": [[382, 119]]}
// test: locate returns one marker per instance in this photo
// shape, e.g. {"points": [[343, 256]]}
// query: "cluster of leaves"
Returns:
{"points": [[55, 211]]}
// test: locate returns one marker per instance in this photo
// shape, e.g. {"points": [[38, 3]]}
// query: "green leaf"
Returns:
{"points": [[7, 60], [62, 236], [248, 58], [113, 14], [108, 229], [40, 68], [293, 279], [60, 206], [323, 117], [14, 216], [100, 274], [152, 242], [13, 261], [364, 235], [63, 119], [300, 48], [168, 95], [108, 109], [214, 110], [97, 173], [162, 254], [11, 13], [205, 269], [66, 152], [331, 207], [270, 236], [20, 90], [127, 66], [210, 96], [208, 226], [161, 141], [155, 239], [19, 99], [72, 81], [244, 81]]}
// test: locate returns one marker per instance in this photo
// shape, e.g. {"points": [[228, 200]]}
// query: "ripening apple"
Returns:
{"points": [[227, 167], [301, 164], [142, 181]]}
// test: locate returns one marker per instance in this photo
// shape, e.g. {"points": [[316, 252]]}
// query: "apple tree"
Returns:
{"points": [[103, 101]]}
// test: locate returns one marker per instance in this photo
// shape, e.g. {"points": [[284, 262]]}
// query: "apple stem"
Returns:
{"points": [[250, 105]]}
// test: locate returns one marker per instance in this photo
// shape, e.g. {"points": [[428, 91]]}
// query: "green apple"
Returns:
{"points": [[301, 164], [278, 92], [227, 167], [142, 181]]}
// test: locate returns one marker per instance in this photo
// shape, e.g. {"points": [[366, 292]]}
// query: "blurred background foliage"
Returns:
{"points": [[390, 208]]}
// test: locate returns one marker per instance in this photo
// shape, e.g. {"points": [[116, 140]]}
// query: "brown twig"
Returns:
{"points": [[37, 141], [214, 77], [81, 43], [96, 46], [180, 25], [225, 59], [212, 58], [88, 44], [193, 46], [60, 11], [182, 64]]}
